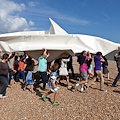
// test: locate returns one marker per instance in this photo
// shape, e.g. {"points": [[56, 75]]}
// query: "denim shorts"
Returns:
{"points": [[29, 82], [54, 89]]}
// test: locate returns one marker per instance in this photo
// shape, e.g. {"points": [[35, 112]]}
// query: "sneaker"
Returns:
{"points": [[85, 87], [93, 83], [44, 98], [81, 89], [9, 86], [55, 103], [3, 96], [103, 90], [77, 84], [69, 87]]}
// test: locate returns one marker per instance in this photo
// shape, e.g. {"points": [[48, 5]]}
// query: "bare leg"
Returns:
{"points": [[93, 80], [25, 87], [31, 86], [55, 96], [82, 88], [68, 81], [48, 93], [108, 76], [58, 79], [83, 82], [88, 76], [92, 73]]}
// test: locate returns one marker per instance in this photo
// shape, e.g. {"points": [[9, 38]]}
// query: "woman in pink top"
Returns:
{"points": [[83, 68]]}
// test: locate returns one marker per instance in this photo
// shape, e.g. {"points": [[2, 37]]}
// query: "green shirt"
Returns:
{"points": [[42, 64]]}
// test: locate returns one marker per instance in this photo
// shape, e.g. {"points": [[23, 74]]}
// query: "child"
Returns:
{"points": [[29, 79], [90, 68], [51, 83]]}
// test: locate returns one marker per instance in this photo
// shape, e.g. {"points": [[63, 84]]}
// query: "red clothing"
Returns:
{"points": [[16, 64], [16, 67], [21, 65], [48, 66]]}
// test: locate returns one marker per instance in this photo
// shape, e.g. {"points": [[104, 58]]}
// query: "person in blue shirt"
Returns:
{"points": [[51, 82], [97, 71], [42, 68]]}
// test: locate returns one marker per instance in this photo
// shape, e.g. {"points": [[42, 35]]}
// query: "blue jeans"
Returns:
{"points": [[44, 79], [21, 73], [10, 76], [4, 81], [117, 78]]}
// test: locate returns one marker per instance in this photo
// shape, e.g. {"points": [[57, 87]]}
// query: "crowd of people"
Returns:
{"points": [[51, 74]]}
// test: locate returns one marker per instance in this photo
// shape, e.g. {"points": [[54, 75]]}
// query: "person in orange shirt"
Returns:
{"points": [[21, 69]]}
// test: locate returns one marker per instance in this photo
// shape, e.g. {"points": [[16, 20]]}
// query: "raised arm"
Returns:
{"points": [[23, 57], [48, 55], [102, 60], [45, 54], [45, 51], [116, 57], [11, 55]]}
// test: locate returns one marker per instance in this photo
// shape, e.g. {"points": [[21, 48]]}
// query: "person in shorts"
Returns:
{"points": [[83, 68], [51, 82], [29, 79]]}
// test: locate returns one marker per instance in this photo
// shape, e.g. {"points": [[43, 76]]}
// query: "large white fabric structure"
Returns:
{"points": [[56, 40]]}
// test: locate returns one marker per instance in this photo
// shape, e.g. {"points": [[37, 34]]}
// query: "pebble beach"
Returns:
{"points": [[73, 105]]}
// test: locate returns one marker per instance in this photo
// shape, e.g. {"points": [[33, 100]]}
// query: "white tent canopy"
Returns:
{"points": [[56, 40]]}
